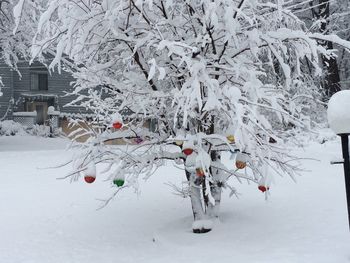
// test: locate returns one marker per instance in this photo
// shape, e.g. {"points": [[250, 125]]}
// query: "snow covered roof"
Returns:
{"points": [[39, 95], [75, 115], [25, 113]]}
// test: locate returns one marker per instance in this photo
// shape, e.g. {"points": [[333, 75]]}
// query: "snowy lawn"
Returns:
{"points": [[45, 220]]}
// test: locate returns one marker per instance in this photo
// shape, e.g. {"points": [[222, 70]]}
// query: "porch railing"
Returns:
{"points": [[27, 119]]}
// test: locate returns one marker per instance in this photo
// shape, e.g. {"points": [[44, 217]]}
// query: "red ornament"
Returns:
{"points": [[187, 151], [200, 172], [263, 188], [89, 179], [117, 125]]}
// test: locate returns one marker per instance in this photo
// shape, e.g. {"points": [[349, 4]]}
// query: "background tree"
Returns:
{"points": [[214, 77], [339, 23], [18, 21], [18, 26], [322, 14], [328, 17]]}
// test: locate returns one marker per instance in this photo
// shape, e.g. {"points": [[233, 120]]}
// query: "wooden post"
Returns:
{"points": [[50, 125], [345, 147]]}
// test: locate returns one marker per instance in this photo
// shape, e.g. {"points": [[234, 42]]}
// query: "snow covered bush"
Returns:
{"points": [[40, 130], [212, 77], [11, 128]]}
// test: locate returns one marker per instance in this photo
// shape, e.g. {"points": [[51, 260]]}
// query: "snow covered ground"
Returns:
{"points": [[45, 220]]}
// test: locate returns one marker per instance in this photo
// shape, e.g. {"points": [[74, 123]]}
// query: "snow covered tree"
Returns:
{"points": [[332, 78], [18, 21], [339, 23], [18, 25], [328, 17], [211, 77]]}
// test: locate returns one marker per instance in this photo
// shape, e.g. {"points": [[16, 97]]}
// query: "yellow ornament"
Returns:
{"points": [[231, 138], [179, 143]]}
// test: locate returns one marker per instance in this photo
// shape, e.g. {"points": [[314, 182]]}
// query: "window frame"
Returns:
{"points": [[37, 74]]}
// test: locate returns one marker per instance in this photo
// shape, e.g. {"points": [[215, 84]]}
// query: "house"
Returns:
{"points": [[34, 94]]}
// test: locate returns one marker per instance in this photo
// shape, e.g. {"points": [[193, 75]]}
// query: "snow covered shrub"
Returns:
{"points": [[10, 128], [44, 131], [40, 130], [214, 76]]}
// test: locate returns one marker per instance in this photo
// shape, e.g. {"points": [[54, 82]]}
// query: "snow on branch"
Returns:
{"points": [[187, 82]]}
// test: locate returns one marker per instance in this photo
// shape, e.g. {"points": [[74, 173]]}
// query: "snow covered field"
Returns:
{"points": [[45, 220]]}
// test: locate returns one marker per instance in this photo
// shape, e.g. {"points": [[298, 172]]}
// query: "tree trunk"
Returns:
{"points": [[196, 202], [204, 210], [214, 210], [215, 188], [331, 82], [201, 223]]}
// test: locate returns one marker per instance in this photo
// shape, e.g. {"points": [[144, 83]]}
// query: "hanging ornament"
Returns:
{"points": [[263, 188], [231, 139], [241, 165], [89, 179], [203, 162], [117, 122], [90, 173], [265, 180], [178, 142], [117, 125], [230, 131], [241, 160], [119, 180], [200, 172], [138, 140], [187, 147], [187, 151], [179, 138]]}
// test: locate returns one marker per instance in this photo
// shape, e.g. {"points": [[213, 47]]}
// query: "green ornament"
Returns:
{"points": [[118, 182]]}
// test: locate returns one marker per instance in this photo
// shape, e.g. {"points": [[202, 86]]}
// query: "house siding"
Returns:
{"points": [[21, 84], [6, 75], [18, 86], [60, 84]]}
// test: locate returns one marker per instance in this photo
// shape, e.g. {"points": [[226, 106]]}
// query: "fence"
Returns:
{"points": [[27, 119]]}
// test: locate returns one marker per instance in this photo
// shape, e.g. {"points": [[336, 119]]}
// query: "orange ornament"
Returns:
{"points": [[241, 164], [200, 172]]}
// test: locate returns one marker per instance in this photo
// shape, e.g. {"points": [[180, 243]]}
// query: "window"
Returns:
{"points": [[39, 81]]}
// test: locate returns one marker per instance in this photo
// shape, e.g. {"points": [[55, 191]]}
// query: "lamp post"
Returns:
{"points": [[346, 164], [339, 120]]}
